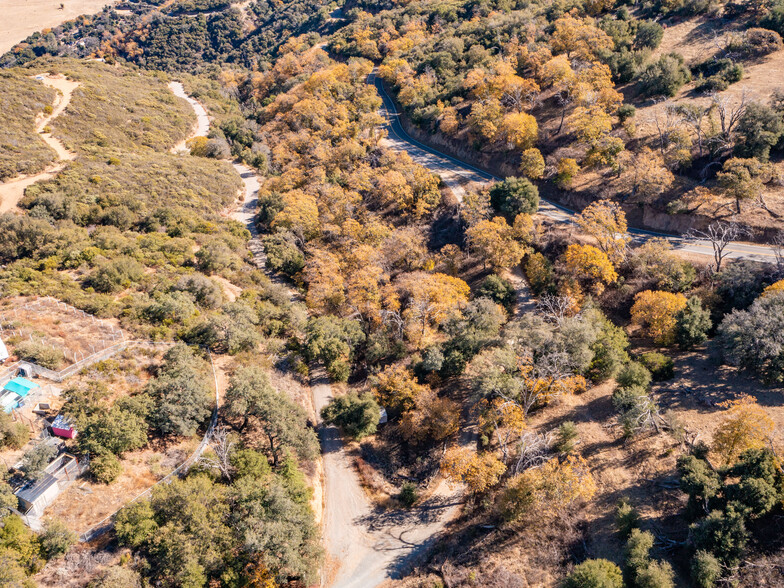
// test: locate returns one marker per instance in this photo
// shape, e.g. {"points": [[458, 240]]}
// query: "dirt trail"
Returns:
{"points": [[13, 190], [202, 125]]}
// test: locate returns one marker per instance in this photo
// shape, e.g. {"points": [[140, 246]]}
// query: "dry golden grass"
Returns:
{"points": [[22, 18]]}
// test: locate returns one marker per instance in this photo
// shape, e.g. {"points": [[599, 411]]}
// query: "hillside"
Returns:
{"points": [[508, 393]]}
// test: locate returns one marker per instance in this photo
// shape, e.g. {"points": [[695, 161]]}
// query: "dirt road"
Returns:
{"points": [[202, 126], [13, 190], [365, 545], [456, 174]]}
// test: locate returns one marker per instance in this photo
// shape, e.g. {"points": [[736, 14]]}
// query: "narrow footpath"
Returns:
{"points": [[11, 192]]}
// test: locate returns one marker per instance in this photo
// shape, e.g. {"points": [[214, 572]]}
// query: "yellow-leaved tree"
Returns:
{"points": [[496, 243], [429, 300], [588, 264], [655, 311], [745, 425], [605, 221], [519, 130], [579, 38], [397, 389], [775, 288], [549, 490], [478, 471], [324, 278]]}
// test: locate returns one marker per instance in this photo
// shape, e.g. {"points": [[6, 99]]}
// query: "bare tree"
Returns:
{"points": [[555, 308], [720, 235], [540, 379], [729, 113], [694, 116], [222, 445], [534, 450], [778, 250]]}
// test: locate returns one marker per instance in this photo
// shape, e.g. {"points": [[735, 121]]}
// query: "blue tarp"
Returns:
{"points": [[20, 386]]}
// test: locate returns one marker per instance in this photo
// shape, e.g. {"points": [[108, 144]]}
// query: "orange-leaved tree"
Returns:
{"points": [[745, 425], [478, 471], [656, 311], [433, 418]]}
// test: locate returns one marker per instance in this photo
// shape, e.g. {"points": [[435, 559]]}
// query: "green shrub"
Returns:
{"points": [[106, 468], [705, 570], [723, 534], [715, 75], [657, 574], [692, 324], [567, 438], [283, 254], [357, 416], [514, 196], [649, 35], [665, 76], [116, 274], [40, 353], [56, 538], [634, 375], [626, 518], [659, 365], [594, 573], [498, 290], [408, 494]]}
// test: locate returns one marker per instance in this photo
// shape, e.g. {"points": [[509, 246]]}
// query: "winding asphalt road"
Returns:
{"points": [[456, 173]]}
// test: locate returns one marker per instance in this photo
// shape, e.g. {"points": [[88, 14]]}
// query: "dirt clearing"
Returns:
{"points": [[21, 18]]}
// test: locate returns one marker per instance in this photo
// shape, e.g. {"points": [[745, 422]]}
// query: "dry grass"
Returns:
{"points": [[62, 328], [22, 19]]}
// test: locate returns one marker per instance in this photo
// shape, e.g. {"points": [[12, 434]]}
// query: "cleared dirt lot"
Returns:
{"points": [[21, 18]]}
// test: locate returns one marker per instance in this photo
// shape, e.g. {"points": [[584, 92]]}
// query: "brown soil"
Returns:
{"points": [[62, 327], [21, 18]]}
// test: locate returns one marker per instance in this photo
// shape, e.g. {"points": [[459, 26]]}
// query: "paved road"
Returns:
{"points": [[457, 173]]}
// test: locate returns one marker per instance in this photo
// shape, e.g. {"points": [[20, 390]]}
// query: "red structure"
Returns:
{"points": [[62, 428]]}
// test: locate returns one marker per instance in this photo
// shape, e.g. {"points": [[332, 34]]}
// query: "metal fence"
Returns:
{"points": [[110, 341], [107, 522]]}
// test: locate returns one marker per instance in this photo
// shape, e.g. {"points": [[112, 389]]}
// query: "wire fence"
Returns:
{"points": [[107, 523], [108, 341]]}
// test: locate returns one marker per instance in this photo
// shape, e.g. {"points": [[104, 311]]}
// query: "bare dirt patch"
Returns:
{"points": [[21, 18]]}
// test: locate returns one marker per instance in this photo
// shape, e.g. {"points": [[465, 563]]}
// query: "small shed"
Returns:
{"points": [[34, 497], [3, 352], [62, 427]]}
